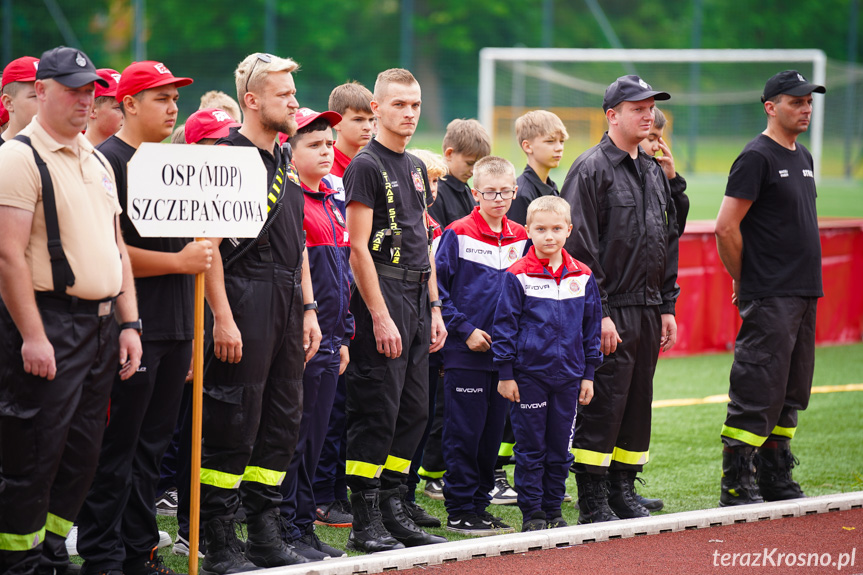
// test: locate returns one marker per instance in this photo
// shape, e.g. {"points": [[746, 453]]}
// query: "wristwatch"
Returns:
{"points": [[437, 303], [311, 307], [137, 325]]}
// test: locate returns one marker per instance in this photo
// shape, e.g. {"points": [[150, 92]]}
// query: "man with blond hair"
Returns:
{"points": [[264, 329], [398, 319]]}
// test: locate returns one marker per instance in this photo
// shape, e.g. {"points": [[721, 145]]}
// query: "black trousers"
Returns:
{"points": [[387, 400], [433, 465], [252, 409], [50, 432], [771, 378], [613, 430], [117, 521], [435, 382]]}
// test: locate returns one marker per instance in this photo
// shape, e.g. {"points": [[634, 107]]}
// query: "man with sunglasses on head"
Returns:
{"points": [[264, 328]]}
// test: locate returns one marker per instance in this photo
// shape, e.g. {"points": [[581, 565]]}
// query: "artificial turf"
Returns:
{"points": [[685, 446]]}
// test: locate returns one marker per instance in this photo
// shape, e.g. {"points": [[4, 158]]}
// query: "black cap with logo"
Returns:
{"points": [[630, 89], [69, 66], [789, 82]]}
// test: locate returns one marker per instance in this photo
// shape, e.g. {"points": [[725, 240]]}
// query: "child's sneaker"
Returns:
{"points": [[335, 514], [167, 504], [181, 547], [536, 522], [434, 489], [419, 515], [470, 524], [503, 493], [556, 521], [499, 526]]}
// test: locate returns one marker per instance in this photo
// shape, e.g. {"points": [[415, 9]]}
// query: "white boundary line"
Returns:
{"points": [[467, 549]]}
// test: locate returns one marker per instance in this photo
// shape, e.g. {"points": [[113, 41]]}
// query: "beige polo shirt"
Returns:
{"points": [[86, 198]]}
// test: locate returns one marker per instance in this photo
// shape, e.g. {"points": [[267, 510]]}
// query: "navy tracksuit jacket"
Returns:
{"points": [[546, 337], [471, 262]]}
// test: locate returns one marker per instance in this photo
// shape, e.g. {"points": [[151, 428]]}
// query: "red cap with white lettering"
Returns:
{"points": [[141, 76], [208, 123], [21, 69], [112, 77]]}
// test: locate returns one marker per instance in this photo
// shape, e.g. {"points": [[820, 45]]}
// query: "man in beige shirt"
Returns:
{"points": [[59, 341]]}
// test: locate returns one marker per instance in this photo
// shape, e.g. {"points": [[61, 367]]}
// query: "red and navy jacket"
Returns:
{"points": [[547, 326], [471, 261], [329, 252]]}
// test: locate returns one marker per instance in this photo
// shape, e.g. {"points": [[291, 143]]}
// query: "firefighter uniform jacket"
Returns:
{"points": [[624, 226]]}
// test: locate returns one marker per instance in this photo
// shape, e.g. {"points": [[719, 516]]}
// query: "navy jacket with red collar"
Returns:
{"points": [[547, 326], [329, 252], [471, 261]]}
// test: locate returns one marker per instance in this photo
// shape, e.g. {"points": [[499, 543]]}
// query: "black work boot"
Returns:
{"points": [[368, 533], [398, 523], [267, 546], [738, 477], [593, 499], [224, 552], [773, 464], [621, 495]]}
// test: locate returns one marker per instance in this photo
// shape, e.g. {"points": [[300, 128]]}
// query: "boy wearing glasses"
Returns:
{"points": [[472, 257]]}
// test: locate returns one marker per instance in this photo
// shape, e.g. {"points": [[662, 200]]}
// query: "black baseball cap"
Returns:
{"points": [[69, 66], [789, 82], [630, 89]]}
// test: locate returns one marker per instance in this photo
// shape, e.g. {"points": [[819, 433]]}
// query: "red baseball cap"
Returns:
{"points": [[306, 116], [4, 114], [208, 123], [21, 69], [140, 76], [112, 77]]}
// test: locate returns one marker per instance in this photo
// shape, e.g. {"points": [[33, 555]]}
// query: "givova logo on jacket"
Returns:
{"points": [[547, 288]]}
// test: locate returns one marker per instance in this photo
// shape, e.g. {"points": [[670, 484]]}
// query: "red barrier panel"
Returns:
{"points": [[706, 320]]}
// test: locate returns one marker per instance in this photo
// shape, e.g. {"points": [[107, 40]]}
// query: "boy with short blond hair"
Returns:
{"points": [[540, 135], [546, 340], [465, 142], [472, 258], [353, 101]]}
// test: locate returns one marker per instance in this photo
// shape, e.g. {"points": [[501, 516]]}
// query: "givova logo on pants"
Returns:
{"points": [[533, 405]]}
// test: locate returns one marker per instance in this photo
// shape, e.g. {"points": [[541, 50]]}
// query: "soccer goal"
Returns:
{"points": [[715, 105]]}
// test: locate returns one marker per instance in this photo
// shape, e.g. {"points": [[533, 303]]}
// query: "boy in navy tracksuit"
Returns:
{"points": [[546, 347], [329, 250], [471, 260]]}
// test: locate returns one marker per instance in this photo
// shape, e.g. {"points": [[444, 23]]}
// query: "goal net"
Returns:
{"points": [[715, 105]]}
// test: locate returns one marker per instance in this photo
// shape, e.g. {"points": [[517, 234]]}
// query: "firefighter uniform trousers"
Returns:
{"points": [[771, 378], [387, 399], [252, 409], [613, 430], [472, 431], [543, 420], [50, 431]]}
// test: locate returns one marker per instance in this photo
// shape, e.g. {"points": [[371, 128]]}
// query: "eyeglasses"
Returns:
{"points": [[265, 58], [491, 196]]}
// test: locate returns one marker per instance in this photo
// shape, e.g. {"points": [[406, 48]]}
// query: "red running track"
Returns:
{"points": [[813, 544]]}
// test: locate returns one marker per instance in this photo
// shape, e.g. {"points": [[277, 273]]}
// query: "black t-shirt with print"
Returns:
{"points": [[781, 243]]}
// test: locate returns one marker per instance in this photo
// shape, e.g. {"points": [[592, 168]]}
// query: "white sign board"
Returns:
{"points": [[197, 191]]}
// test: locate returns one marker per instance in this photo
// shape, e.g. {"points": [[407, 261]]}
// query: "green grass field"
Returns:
{"points": [[686, 449]]}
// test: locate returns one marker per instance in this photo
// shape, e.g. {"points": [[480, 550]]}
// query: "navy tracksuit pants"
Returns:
{"points": [[319, 389], [543, 422], [329, 477], [472, 430]]}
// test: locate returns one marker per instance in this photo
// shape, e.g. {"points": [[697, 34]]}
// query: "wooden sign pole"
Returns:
{"points": [[197, 419]]}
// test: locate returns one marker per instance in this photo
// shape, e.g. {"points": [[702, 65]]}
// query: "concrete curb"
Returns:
{"points": [[467, 549]]}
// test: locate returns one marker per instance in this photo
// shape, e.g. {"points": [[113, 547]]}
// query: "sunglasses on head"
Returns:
{"points": [[265, 58]]}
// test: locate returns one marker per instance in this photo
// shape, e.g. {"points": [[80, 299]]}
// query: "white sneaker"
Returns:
{"points": [[72, 541], [503, 493], [164, 539], [181, 547]]}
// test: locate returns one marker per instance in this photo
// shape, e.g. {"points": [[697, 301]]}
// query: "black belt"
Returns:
{"points": [[71, 304], [402, 274]]}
